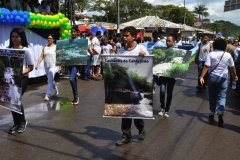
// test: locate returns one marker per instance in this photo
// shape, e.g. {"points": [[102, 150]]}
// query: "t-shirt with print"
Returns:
{"points": [[213, 59], [28, 59], [106, 49], [135, 51]]}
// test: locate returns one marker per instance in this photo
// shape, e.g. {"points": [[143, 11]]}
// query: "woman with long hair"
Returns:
{"points": [[18, 40], [49, 56]]}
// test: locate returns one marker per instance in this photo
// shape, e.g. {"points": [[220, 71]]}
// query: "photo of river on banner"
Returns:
{"points": [[128, 86]]}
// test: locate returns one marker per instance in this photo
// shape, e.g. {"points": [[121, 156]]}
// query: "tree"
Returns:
{"points": [[106, 7], [129, 9], [201, 10], [82, 5], [215, 27], [133, 9], [174, 14]]}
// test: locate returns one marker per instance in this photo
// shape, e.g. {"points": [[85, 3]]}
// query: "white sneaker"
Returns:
{"points": [[166, 114], [161, 112], [46, 99]]}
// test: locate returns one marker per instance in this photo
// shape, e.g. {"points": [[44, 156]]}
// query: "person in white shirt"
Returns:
{"points": [[131, 48], [49, 56], [18, 40], [96, 52], [106, 47], [44, 8], [87, 67], [204, 49], [217, 63]]}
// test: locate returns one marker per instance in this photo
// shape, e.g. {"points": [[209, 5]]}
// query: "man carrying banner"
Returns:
{"points": [[131, 48], [205, 47]]}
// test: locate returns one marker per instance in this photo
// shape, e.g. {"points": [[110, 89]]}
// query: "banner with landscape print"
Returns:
{"points": [[128, 86], [11, 64], [72, 52], [171, 62]]}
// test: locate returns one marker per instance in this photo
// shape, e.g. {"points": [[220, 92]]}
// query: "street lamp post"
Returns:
{"points": [[118, 18]]}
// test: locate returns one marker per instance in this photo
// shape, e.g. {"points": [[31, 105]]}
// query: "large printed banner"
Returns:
{"points": [[11, 64], [128, 86], [150, 45], [72, 52], [171, 62]]}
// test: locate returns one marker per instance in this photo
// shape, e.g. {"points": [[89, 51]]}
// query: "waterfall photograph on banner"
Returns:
{"points": [[71, 52], [171, 62], [11, 65], [128, 86]]}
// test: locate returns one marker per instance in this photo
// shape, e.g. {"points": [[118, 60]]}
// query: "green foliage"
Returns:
{"points": [[165, 54], [129, 9], [227, 28], [174, 14], [159, 55], [117, 78], [82, 4], [192, 57], [201, 10], [177, 70]]}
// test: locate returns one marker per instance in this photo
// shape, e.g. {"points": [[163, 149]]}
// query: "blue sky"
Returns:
{"points": [[215, 8]]}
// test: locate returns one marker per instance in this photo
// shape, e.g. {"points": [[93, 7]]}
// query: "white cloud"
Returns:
{"points": [[215, 8]]}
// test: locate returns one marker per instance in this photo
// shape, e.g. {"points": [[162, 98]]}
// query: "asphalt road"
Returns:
{"points": [[58, 130]]}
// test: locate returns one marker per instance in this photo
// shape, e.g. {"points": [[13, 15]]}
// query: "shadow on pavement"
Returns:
{"points": [[94, 132], [204, 118]]}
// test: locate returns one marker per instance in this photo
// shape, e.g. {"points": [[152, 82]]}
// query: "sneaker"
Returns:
{"points": [[13, 129], [142, 134], [56, 93], [123, 141], [46, 99], [166, 114], [161, 112], [220, 120], [75, 101], [22, 127]]}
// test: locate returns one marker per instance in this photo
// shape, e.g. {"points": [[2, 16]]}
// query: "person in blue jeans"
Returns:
{"points": [[87, 68], [74, 69], [166, 84], [205, 47], [217, 63]]}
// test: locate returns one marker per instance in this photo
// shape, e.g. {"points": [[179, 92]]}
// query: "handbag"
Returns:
{"points": [[217, 64]]}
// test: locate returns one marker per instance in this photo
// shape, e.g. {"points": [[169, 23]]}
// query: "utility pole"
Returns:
{"points": [[184, 13], [118, 18]]}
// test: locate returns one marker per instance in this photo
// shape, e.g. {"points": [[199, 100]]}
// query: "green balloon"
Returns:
{"points": [[63, 36], [69, 35], [35, 17]]}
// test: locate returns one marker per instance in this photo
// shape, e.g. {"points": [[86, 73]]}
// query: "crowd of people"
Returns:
{"points": [[214, 60], [46, 7]]}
